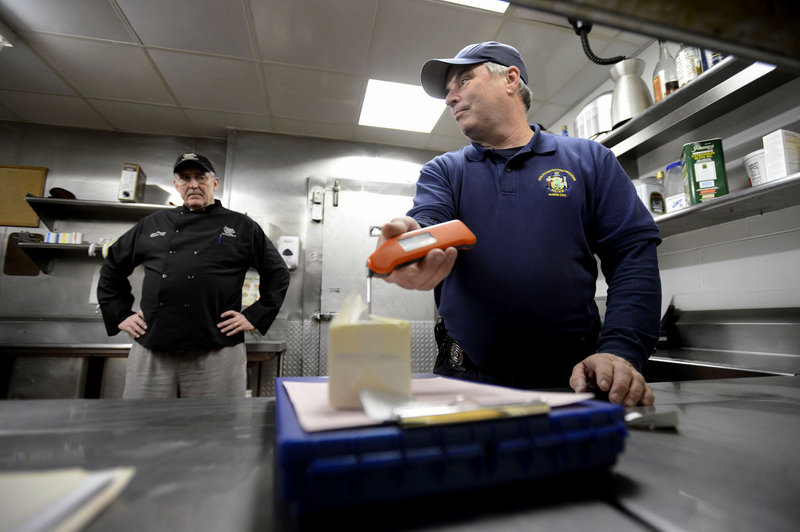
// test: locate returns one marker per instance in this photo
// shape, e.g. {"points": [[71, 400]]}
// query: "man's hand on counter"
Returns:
{"points": [[612, 374], [134, 325]]}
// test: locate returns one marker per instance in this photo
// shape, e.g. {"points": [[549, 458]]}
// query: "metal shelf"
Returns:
{"points": [[730, 84], [771, 196], [52, 209], [43, 253]]}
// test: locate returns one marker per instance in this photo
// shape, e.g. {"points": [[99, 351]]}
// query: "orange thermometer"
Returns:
{"points": [[413, 246]]}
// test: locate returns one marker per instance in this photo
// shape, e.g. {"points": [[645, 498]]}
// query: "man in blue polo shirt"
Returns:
{"points": [[518, 308]]}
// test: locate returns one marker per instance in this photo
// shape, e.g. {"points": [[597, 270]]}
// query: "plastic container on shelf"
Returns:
{"points": [[711, 58], [675, 194], [689, 63], [651, 191], [756, 168]]}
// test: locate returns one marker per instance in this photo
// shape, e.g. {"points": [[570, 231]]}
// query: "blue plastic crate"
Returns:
{"points": [[324, 470]]}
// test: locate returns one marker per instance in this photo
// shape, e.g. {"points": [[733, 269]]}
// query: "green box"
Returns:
{"points": [[703, 166]]}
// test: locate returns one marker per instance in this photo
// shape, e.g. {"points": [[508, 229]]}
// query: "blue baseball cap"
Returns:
{"points": [[434, 71]]}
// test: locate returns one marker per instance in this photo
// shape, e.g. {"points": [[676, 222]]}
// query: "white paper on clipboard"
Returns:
{"points": [[310, 400]]}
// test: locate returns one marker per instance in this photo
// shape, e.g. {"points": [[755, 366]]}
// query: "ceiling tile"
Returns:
{"points": [[7, 114], [209, 26], [635, 38], [313, 95], [102, 69], [217, 124], [333, 36], [394, 137], [24, 70], [88, 18], [141, 118], [52, 109], [296, 67], [212, 83], [309, 128], [582, 84], [409, 33], [550, 67], [617, 48]]}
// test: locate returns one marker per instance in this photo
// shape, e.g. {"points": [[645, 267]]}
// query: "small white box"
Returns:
{"points": [[781, 154], [132, 183]]}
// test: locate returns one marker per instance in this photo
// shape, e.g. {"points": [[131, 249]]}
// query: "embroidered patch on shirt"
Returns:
{"points": [[557, 182], [228, 231], [158, 233]]}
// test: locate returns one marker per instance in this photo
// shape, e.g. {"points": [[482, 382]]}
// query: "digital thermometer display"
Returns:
{"points": [[415, 242]]}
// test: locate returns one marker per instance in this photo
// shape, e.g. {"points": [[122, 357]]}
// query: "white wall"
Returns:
{"points": [[750, 263]]}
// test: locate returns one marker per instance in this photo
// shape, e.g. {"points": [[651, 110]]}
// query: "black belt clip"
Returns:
{"points": [[455, 355], [449, 347]]}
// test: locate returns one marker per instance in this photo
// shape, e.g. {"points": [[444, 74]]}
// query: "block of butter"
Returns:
{"points": [[366, 352]]}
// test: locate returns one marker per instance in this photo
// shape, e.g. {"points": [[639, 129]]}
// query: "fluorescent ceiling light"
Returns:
{"points": [[497, 6], [399, 106]]}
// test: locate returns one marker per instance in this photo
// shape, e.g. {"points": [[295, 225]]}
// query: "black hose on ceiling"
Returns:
{"points": [[582, 29]]}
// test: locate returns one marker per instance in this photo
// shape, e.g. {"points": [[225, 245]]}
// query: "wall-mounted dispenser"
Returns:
{"points": [[317, 201], [289, 248]]}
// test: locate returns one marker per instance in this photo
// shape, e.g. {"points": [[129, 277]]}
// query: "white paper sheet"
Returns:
{"points": [[310, 400], [62, 500]]}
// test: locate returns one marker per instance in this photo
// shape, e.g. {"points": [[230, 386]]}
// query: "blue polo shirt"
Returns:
{"points": [[525, 292]]}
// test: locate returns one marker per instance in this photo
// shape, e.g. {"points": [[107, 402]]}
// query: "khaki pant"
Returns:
{"points": [[217, 373]]}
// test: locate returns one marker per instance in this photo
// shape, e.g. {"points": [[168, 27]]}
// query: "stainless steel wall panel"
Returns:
{"points": [[423, 346], [292, 360], [311, 349], [268, 371]]}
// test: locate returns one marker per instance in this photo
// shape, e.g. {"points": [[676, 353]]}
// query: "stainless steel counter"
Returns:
{"points": [[87, 335], [207, 465]]}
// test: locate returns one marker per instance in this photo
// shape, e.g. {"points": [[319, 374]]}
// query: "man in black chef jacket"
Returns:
{"points": [[189, 333]]}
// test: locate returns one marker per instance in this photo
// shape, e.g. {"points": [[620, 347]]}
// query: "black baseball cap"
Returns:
{"points": [[195, 159], [434, 71]]}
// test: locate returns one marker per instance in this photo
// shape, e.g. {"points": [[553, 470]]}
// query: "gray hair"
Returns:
{"points": [[524, 91]]}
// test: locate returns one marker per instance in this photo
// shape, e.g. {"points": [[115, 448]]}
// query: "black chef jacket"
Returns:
{"points": [[194, 267]]}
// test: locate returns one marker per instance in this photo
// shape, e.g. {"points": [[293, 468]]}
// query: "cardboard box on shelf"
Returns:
{"points": [[781, 154]]}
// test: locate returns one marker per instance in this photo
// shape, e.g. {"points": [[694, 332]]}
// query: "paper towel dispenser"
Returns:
{"points": [[289, 248]]}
